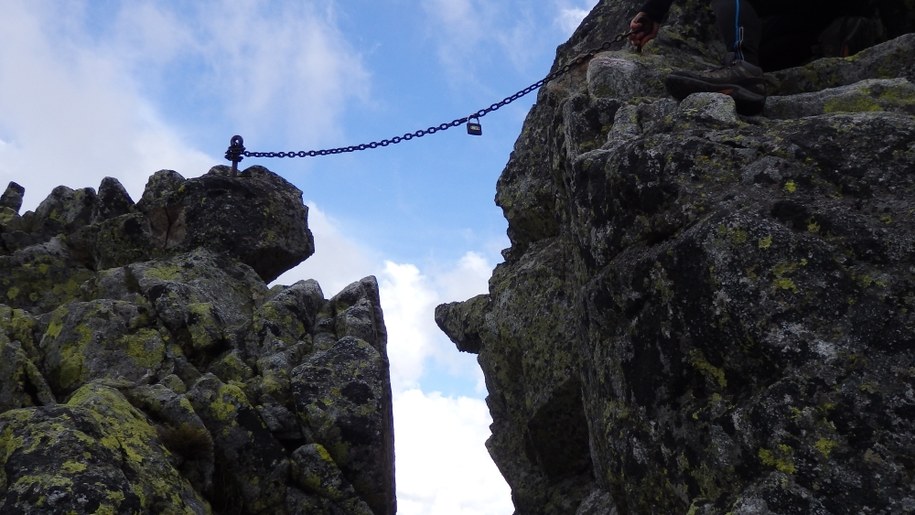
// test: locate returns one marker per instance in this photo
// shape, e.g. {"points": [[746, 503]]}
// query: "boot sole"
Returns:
{"points": [[747, 102]]}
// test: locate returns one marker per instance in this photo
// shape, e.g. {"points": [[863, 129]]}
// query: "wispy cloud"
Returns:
{"points": [[72, 114], [471, 35], [283, 68], [80, 98], [571, 13]]}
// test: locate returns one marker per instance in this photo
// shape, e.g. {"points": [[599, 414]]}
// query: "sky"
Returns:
{"points": [[98, 88]]}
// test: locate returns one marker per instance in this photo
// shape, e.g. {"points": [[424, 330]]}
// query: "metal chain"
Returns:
{"points": [[237, 150]]}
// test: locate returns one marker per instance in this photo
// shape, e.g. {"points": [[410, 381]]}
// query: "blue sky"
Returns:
{"points": [[99, 88]]}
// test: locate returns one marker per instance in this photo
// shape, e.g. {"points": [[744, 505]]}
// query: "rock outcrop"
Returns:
{"points": [[147, 367], [702, 312]]}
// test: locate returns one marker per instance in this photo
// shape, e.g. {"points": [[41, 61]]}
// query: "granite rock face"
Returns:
{"points": [[702, 312], [148, 368]]}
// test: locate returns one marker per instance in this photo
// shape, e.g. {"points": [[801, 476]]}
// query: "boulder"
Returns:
{"points": [[257, 216]]}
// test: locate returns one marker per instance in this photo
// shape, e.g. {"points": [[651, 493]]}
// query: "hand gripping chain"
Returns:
{"points": [[237, 152]]}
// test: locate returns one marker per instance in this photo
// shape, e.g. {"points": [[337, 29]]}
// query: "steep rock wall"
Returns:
{"points": [[146, 367], [702, 312]]}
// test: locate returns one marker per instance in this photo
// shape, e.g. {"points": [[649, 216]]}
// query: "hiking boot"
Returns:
{"points": [[738, 79]]}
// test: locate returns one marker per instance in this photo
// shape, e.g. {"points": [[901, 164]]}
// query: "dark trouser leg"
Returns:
{"points": [[741, 28], [776, 34], [790, 30], [741, 78], [787, 43]]}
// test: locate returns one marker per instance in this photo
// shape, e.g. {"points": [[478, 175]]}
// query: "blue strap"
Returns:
{"points": [[738, 33]]}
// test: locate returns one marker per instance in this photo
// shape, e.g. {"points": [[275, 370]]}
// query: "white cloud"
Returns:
{"points": [[150, 34], [408, 302], [338, 260], [469, 34], [469, 277], [570, 15], [443, 467], [458, 282], [80, 97], [283, 67], [516, 40], [457, 28], [71, 116], [409, 298], [459, 16]]}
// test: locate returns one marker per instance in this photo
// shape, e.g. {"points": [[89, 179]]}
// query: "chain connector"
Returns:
{"points": [[235, 151]]}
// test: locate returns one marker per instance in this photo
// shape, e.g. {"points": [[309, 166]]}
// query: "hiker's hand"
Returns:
{"points": [[643, 28]]}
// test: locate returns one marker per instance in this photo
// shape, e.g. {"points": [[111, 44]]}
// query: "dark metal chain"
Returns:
{"points": [[237, 150]]}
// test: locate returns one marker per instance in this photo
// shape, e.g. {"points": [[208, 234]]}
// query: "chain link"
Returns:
{"points": [[239, 151]]}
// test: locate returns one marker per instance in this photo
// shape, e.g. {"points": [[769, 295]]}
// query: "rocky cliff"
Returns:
{"points": [[702, 312], [146, 367]]}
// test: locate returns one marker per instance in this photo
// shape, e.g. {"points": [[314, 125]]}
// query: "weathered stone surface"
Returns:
{"points": [[257, 216], [23, 384], [146, 367], [703, 312], [113, 200], [339, 394], [12, 197], [95, 454], [63, 211], [461, 320], [251, 466], [315, 471], [868, 95], [180, 430], [356, 312], [40, 276], [100, 338]]}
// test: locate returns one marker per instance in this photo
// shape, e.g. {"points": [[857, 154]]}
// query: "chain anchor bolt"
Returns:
{"points": [[235, 152]]}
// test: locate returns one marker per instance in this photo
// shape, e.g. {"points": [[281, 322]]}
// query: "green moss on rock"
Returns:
{"points": [[107, 458], [781, 458]]}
